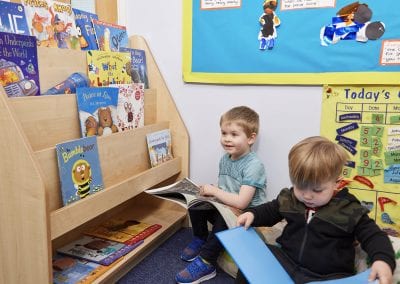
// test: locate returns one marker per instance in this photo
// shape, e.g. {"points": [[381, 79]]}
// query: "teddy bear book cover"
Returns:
{"points": [[97, 109], [79, 169]]}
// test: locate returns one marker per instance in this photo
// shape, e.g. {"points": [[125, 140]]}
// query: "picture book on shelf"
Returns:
{"points": [[79, 169], [138, 70], [107, 67], [97, 110], [186, 193], [13, 19], [159, 146], [110, 37], [71, 270], [97, 250], [127, 231], [19, 72], [130, 109], [84, 26], [38, 17]]}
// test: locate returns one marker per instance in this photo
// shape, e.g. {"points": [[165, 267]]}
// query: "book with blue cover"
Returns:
{"points": [[13, 19], [109, 36], [79, 169], [257, 262], [138, 70], [97, 109], [19, 71], [83, 21]]}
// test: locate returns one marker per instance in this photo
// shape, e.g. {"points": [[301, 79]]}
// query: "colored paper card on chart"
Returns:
{"points": [[252, 256]]}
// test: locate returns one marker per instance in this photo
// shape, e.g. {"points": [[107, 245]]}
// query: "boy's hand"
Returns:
{"points": [[208, 190], [245, 220], [382, 271]]}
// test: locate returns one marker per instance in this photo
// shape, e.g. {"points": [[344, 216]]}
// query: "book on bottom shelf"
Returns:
{"points": [[159, 146], [79, 169], [70, 270], [19, 71], [186, 193], [97, 250], [127, 231]]}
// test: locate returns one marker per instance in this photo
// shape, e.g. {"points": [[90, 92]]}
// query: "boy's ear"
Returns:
{"points": [[252, 138]]}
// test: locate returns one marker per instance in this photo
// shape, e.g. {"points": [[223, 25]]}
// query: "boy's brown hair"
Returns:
{"points": [[245, 117], [315, 160]]}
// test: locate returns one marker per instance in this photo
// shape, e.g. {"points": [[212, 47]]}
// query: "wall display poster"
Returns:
{"points": [[366, 122], [308, 42]]}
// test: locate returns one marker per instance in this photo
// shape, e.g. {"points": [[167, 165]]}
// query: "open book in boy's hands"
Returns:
{"points": [[186, 193], [259, 265]]}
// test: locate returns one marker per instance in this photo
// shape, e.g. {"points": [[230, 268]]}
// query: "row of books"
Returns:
{"points": [[57, 24], [99, 249]]}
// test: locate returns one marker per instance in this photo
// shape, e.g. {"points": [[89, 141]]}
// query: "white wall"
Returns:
{"points": [[287, 113]]}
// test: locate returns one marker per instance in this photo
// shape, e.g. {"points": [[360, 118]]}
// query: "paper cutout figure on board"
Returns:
{"points": [[268, 21]]}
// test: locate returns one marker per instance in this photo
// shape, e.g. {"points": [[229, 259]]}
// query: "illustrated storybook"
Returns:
{"points": [[38, 17], [110, 37], [97, 110], [79, 169], [71, 270], [186, 193], [84, 26], [159, 146], [130, 109], [13, 19], [97, 250], [138, 70], [19, 72], [257, 262], [107, 67], [127, 231]]}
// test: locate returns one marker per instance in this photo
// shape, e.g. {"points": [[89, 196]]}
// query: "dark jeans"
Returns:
{"points": [[299, 274], [212, 247]]}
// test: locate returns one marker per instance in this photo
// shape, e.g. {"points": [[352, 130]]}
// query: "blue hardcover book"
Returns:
{"points": [[110, 37], [19, 74], [258, 264], [138, 70], [83, 21], [97, 109], [97, 250], [79, 169], [13, 19]]}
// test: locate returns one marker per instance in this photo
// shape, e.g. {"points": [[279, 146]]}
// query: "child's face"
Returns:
{"points": [[316, 196], [234, 140]]}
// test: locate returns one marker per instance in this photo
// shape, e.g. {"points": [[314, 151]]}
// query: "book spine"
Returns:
{"points": [[120, 253], [142, 235]]}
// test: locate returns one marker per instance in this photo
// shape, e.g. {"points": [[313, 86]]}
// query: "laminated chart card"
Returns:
{"points": [[365, 121]]}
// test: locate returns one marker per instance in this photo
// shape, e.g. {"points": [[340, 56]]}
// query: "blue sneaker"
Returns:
{"points": [[192, 250], [196, 272]]}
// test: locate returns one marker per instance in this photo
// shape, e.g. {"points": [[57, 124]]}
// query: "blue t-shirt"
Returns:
{"points": [[248, 170]]}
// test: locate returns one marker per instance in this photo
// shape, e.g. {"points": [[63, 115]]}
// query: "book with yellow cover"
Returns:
{"points": [[108, 67]]}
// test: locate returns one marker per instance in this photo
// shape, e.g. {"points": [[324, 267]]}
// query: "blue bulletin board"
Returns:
{"points": [[221, 44]]}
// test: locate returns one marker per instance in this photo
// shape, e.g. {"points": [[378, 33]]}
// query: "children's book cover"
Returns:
{"points": [[97, 250], [79, 169], [97, 109], [19, 74], [84, 26], [63, 25], [110, 37], [107, 67], [13, 19], [130, 109], [128, 231], [138, 70], [70, 270], [159, 146]]}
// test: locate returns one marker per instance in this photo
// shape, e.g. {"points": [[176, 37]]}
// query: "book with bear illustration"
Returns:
{"points": [[97, 109], [97, 250], [130, 109], [79, 169], [108, 67]]}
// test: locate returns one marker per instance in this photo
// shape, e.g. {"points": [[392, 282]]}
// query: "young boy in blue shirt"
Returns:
{"points": [[241, 184]]}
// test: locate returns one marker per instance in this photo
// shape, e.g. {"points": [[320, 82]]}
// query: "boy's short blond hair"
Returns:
{"points": [[315, 160], [245, 117]]}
